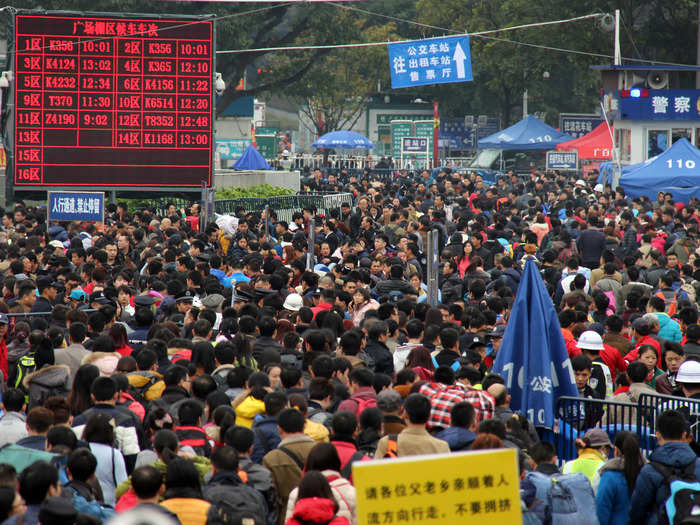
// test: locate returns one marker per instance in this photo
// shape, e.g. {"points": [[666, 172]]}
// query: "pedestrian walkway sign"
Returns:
{"points": [[480, 487], [431, 61]]}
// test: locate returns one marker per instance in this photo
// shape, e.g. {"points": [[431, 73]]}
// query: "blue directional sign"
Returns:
{"points": [[76, 206], [562, 160], [431, 61]]}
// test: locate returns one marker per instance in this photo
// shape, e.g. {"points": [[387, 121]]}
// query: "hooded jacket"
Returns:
{"points": [[344, 494], [50, 380], [105, 361], [265, 430], [458, 438], [613, 497], [650, 490], [668, 328], [247, 410], [316, 510]]}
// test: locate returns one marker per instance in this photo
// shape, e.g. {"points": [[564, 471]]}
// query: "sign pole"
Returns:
{"points": [[203, 207], [310, 252], [436, 126], [432, 267], [267, 223]]}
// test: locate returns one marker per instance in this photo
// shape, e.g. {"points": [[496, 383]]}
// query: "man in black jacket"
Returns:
{"points": [[377, 335], [395, 282]]}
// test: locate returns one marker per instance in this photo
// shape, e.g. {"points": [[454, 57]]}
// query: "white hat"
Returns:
{"points": [[293, 302], [599, 188], [689, 372], [580, 183], [590, 340]]}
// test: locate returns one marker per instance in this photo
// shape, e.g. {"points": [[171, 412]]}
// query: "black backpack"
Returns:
{"points": [[682, 507], [235, 510]]}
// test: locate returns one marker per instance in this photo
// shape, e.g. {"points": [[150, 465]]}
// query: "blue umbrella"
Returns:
{"points": [[533, 357], [343, 140], [251, 160]]}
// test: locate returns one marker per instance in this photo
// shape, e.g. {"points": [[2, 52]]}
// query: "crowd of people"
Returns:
{"points": [[223, 375]]}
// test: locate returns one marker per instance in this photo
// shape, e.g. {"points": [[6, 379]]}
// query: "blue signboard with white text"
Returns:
{"points": [[562, 160], [653, 104], [76, 206], [454, 134], [578, 125], [431, 61]]}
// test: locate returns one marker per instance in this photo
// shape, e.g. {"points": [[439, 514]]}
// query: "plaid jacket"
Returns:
{"points": [[443, 398]]}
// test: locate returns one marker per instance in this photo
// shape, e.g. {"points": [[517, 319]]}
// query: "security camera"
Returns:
{"points": [[219, 84]]}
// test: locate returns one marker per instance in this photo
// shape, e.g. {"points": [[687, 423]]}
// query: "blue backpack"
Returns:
{"points": [[682, 507], [569, 497]]}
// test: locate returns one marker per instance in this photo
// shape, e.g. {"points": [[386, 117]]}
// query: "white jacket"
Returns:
{"points": [[344, 494]]}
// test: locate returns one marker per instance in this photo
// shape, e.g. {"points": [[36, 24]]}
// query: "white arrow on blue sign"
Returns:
{"points": [[432, 61]]}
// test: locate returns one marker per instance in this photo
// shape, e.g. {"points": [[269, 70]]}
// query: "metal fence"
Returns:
{"points": [[576, 415], [284, 206]]}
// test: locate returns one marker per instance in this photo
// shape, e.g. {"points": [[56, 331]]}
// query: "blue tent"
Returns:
{"points": [[343, 140], [676, 170], [251, 160], [607, 170], [533, 357], [528, 134]]}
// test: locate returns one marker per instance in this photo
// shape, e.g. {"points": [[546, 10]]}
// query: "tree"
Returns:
{"points": [[335, 91]]}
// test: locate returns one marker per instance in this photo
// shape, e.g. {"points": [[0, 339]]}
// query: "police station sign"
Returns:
{"points": [[654, 104], [431, 61]]}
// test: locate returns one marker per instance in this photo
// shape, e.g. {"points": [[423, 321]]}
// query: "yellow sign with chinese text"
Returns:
{"points": [[469, 487]]}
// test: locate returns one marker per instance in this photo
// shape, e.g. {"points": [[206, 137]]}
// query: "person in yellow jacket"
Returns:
{"points": [[594, 449], [316, 431], [250, 402], [183, 493]]}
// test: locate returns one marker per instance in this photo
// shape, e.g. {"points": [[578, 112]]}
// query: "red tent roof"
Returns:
{"points": [[595, 145]]}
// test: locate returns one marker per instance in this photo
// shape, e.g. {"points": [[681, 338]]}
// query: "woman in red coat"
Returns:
{"points": [[316, 503]]}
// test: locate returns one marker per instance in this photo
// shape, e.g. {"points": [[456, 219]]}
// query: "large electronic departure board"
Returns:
{"points": [[112, 101]]}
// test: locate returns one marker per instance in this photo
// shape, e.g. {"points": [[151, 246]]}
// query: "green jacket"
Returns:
{"points": [[202, 464]]}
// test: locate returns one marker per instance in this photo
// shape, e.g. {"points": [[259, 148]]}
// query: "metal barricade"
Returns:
{"points": [[575, 415], [285, 206], [651, 405]]}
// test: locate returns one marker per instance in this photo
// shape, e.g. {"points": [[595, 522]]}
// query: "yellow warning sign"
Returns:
{"points": [[480, 487]]}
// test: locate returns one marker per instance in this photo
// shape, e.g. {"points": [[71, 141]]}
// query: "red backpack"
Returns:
{"points": [[363, 403]]}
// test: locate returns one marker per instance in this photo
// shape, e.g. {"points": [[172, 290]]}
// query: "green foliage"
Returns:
{"points": [[264, 190]]}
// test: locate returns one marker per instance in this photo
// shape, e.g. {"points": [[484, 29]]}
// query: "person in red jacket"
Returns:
{"points": [[641, 331], [567, 320], [315, 502]]}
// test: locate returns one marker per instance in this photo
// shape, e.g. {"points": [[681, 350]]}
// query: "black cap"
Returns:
{"points": [[99, 297], [45, 282], [477, 341], [144, 300]]}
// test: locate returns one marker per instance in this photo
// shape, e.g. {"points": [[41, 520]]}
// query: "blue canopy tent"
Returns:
{"points": [[343, 140], [251, 160], [533, 357], [528, 134], [676, 171], [607, 170]]}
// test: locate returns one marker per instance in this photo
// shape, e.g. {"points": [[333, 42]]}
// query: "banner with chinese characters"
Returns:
{"points": [[430, 61], [76, 206], [480, 487], [653, 104], [577, 125]]}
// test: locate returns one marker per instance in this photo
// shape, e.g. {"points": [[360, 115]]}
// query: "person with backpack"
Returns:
{"points": [[286, 462], [190, 432], [414, 439], [658, 481], [616, 480], [81, 466], [226, 487], [316, 504], [324, 458], [344, 427], [362, 393], [669, 329], [265, 430]]}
